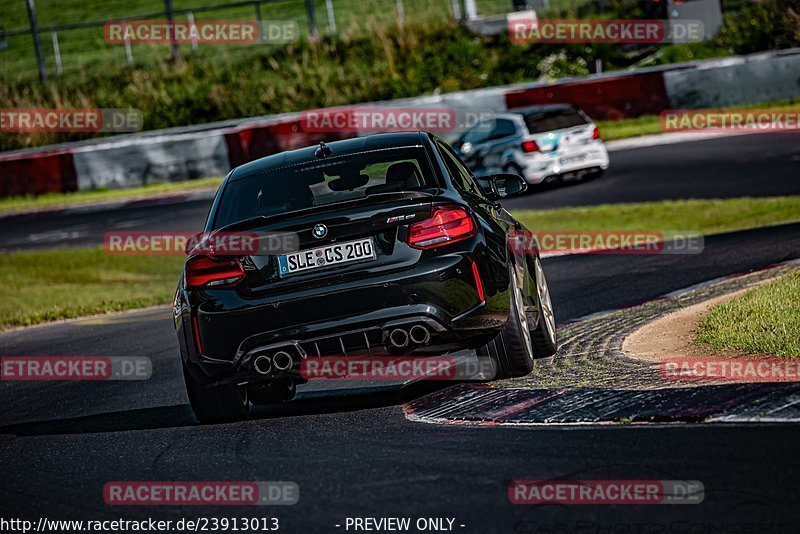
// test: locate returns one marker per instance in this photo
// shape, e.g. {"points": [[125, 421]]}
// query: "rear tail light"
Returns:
{"points": [[209, 272], [596, 134], [530, 146], [478, 282], [447, 224]]}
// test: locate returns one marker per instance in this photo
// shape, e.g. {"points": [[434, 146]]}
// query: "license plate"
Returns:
{"points": [[318, 258], [572, 159]]}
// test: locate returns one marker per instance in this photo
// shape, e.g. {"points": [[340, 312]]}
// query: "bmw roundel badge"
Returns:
{"points": [[320, 231]]}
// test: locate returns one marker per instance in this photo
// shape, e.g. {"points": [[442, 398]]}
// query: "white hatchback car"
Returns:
{"points": [[541, 143]]}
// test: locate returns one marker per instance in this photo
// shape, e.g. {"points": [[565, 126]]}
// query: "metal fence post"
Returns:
{"points": [[331, 15], [171, 21], [192, 29], [37, 44], [128, 51], [455, 5], [312, 20], [470, 9], [57, 52], [260, 21]]}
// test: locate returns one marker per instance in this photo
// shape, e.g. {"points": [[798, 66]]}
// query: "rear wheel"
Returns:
{"points": [[530, 330], [594, 175], [216, 404], [544, 335]]}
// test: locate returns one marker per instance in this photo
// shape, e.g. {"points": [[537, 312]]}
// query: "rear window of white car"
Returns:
{"points": [[553, 119]]}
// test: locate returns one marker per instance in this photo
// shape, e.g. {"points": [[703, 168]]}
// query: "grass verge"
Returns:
{"points": [[704, 216], [765, 320], [57, 284], [651, 124], [77, 198]]}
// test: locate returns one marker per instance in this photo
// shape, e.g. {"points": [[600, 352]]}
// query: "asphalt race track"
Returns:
{"points": [[737, 166], [354, 454]]}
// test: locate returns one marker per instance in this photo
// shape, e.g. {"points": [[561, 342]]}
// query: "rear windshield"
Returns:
{"points": [[555, 119], [322, 182]]}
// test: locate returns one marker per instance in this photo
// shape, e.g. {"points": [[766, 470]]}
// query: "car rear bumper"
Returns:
{"points": [[544, 167], [346, 319]]}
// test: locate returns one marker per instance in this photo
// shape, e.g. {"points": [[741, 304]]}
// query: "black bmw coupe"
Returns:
{"points": [[398, 251]]}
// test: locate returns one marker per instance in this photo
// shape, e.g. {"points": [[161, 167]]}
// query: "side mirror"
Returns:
{"points": [[506, 185]]}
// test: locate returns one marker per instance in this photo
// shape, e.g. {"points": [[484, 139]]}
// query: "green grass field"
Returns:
{"points": [[701, 216], [43, 286], [651, 124], [84, 48], [764, 321]]}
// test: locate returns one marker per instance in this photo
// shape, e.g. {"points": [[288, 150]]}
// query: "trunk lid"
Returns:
{"points": [[382, 219]]}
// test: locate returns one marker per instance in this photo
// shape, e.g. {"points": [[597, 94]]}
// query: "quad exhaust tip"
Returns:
{"points": [[419, 335], [398, 338], [262, 364], [283, 361]]}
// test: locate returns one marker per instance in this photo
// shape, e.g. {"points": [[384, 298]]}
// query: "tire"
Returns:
{"points": [[596, 174], [216, 404], [514, 349], [544, 336]]}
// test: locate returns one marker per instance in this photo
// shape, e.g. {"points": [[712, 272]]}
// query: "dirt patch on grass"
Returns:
{"points": [[672, 335]]}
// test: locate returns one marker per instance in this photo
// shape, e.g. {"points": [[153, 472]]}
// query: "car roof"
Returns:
{"points": [[531, 110], [534, 110], [338, 148], [540, 109]]}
